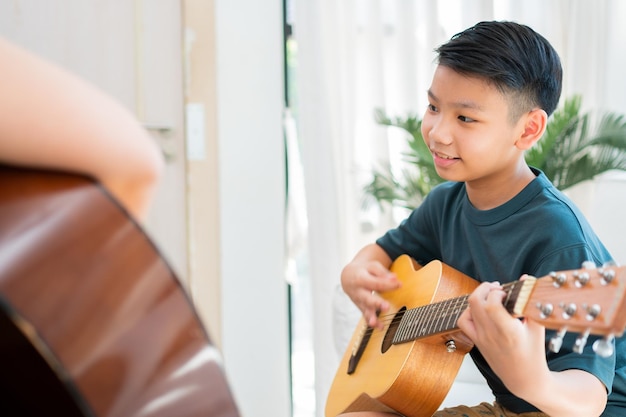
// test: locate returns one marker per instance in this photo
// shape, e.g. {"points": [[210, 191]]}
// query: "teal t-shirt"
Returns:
{"points": [[616, 406], [538, 231]]}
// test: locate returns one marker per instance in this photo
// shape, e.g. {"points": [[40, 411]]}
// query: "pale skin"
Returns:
{"points": [[467, 129], [50, 118]]}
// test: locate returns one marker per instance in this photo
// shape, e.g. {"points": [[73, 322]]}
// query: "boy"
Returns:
{"points": [[496, 219]]}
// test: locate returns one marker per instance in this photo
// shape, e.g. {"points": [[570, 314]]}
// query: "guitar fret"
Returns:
{"points": [[455, 313], [417, 323], [413, 315], [406, 322], [409, 325], [439, 310], [430, 319], [461, 307], [423, 319]]}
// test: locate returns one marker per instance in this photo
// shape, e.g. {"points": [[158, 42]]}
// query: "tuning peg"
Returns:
{"points": [[604, 347], [589, 265], [559, 279], [608, 275], [546, 309], [593, 311], [569, 310], [582, 278], [581, 341], [557, 341]]}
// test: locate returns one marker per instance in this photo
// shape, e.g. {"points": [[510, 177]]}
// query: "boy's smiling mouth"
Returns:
{"points": [[442, 160], [443, 156]]}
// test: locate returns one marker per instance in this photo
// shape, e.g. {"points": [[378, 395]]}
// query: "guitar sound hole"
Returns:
{"points": [[391, 330]]}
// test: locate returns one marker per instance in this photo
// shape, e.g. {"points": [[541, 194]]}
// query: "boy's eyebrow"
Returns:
{"points": [[466, 104]]}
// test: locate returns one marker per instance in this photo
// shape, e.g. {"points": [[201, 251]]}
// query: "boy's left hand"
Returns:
{"points": [[514, 348]]}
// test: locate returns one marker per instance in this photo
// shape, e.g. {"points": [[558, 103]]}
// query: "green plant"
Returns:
{"points": [[573, 149], [416, 178]]}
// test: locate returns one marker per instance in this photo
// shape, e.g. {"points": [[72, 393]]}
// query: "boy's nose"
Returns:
{"points": [[439, 133]]}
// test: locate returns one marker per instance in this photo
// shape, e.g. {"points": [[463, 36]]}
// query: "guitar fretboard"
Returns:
{"points": [[442, 317]]}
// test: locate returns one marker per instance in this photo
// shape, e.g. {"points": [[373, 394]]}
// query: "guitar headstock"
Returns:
{"points": [[587, 301]]}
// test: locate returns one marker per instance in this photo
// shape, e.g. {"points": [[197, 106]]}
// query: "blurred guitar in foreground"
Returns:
{"points": [[93, 322], [409, 366]]}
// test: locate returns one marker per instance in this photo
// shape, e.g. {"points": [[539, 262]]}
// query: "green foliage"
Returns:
{"points": [[573, 149], [416, 180]]}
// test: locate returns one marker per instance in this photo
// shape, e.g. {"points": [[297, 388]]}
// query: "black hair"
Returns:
{"points": [[512, 57]]}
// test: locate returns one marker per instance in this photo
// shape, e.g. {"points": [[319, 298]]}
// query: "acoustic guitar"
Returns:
{"points": [[93, 321], [409, 366]]}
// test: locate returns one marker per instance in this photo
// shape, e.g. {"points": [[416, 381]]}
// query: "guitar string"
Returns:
{"points": [[397, 316], [389, 316]]}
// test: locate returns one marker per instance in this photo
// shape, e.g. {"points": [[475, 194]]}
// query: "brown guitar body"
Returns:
{"points": [[410, 378], [93, 321]]}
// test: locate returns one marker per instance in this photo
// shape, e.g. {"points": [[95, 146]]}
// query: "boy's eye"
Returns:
{"points": [[466, 119], [432, 108]]}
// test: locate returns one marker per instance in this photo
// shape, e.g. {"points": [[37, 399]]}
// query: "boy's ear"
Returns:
{"points": [[534, 126]]}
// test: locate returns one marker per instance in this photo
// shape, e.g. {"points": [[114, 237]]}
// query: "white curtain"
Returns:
{"points": [[358, 55]]}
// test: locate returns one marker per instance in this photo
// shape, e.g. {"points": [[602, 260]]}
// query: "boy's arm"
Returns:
{"points": [[365, 276], [515, 350], [51, 119]]}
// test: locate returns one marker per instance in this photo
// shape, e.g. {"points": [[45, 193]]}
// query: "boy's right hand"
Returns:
{"points": [[363, 279]]}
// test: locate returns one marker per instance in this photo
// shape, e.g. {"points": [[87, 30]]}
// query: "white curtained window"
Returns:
{"points": [[358, 55]]}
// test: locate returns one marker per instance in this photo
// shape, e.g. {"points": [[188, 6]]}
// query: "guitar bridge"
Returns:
{"points": [[359, 348]]}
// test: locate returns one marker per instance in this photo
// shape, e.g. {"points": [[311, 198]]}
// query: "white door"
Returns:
{"points": [[132, 50]]}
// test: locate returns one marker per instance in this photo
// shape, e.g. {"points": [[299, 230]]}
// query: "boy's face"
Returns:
{"points": [[468, 129]]}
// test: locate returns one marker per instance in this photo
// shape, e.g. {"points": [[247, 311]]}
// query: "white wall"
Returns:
{"points": [[252, 199], [603, 201]]}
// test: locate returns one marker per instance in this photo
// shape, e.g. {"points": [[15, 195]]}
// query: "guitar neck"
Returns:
{"points": [[442, 317]]}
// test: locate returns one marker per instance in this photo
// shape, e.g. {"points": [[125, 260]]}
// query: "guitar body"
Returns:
{"points": [[410, 378], [93, 321]]}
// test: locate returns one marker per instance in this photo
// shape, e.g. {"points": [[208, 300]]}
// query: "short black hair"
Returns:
{"points": [[511, 56]]}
